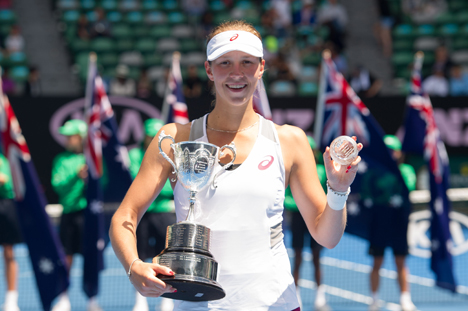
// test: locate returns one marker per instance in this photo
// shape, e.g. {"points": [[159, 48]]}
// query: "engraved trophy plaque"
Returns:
{"points": [[187, 243], [343, 150]]}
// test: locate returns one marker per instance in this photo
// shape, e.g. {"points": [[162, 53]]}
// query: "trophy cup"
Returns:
{"points": [[187, 243], [343, 150]]}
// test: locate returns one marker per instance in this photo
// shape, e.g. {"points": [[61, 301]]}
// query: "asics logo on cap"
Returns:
{"points": [[234, 37]]}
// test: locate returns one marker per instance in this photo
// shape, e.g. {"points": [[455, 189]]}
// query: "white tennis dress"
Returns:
{"points": [[244, 214]]}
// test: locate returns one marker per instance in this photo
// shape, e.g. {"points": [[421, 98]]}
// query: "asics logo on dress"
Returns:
{"points": [[266, 162], [234, 37]]}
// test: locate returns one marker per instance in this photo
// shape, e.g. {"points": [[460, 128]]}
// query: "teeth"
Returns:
{"points": [[236, 86]]}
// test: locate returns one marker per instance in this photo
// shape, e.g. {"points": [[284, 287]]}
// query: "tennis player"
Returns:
{"points": [[245, 211]]}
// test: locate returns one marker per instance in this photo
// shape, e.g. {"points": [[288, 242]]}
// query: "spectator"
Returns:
{"points": [[283, 16], [161, 83], [424, 11], [101, 27], [144, 85], [333, 16], [206, 23], [14, 42], [122, 85], [193, 83], [281, 70], [83, 28], [8, 85], [436, 84], [364, 83], [32, 86], [339, 60], [307, 15], [194, 7], [383, 28], [458, 82], [442, 61]]}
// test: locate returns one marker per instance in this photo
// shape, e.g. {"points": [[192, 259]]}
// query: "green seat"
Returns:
{"points": [[217, 6], [152, 60], [445, 18], [70, 17], [402, 59], [425, 30], [5, 30], [244, 5], [404, 72], [123, 45], [403, 31], [176, 17], [155, 17], [80, 46], [91, 16], [448, 30], [313, 59], [114, 17], [145, 45], [121, 31], [17, 59], [134, 17], [160, 32], [462, 17], [99, 45], [129, 5], [221, 18], [81, 62], [429, 58], [170, 5], [140, 31], [109, 59], [88, 4], [109, 5], [67, 4], [403, 45], [308, 89], [457, 5], [19, 73], [150, 5], [460, 44], [189, 45], [7, 17]]}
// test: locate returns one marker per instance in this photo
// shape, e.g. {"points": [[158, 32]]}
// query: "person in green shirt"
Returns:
{"points": [[69, 174], [382, 190], [9, 234], [299, 232], [151, 231]]}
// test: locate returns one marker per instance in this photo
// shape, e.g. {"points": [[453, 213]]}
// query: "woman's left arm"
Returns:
{"points": [[325, 224]]}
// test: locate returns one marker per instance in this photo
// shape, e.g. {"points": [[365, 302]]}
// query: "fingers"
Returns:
{"points": [[327, 161], [145, 280]]}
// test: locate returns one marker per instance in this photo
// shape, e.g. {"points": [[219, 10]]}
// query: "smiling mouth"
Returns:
{"points": [[237, 86]]}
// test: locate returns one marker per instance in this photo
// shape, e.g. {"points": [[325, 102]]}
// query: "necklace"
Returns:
{"points": [[233, 132]]}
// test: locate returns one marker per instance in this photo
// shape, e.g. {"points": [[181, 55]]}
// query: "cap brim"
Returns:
{"points": [[238, 47]]}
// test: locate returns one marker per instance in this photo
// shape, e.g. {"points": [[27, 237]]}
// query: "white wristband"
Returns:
{"points": [[335, 199]]}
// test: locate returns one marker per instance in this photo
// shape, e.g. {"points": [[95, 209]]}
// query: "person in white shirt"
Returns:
{"points": [[122, 85], [436, 84], [245, 211]]}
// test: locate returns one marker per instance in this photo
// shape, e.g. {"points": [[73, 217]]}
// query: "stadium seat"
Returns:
{"points": [[140, 31], [145, 45], [134, 17], [131, 58], [282, 88], [426, 43], [109, 5], [193, 58], [99, 45], [221, 17], [91, 16], [155, 17], [156, 72], [67, 5], [402, 59], [313, 59], [17, 58], [160, 32], [460, 57], [121, 31], [150, 5], [403, 31], [168, 45], [114, 17], [7, 17], [87, 4], [244, 5], [182, 31], [4, 30], [124, 45], [129, 5], [152, 60], [456, 5], [217, 6], [189, 45], [462, 17], [79, 45], [403, 45], [460, 44], [176, 17], [445, 18], [170, 5], [425, 30], [19, 73], [71, 16], [308, 89], [109, 59], [448, 30], [308, 73]]}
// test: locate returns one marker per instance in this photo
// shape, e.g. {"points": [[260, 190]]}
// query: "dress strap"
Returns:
{"points": [[196, 131]]}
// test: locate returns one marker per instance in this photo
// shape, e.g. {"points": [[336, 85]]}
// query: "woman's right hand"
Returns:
{"points": [[143, 278]]}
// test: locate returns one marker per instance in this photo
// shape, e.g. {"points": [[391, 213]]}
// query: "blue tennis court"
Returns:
{"points": [[345, 273]]}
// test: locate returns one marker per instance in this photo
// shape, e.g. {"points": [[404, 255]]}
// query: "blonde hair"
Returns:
{"points": [[233, 25]]}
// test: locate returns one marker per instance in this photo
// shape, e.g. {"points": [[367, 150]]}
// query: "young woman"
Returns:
{"points": [[244, 212]]}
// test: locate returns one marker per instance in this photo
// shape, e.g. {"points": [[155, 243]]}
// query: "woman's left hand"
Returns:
{"points": [[340, 177]]}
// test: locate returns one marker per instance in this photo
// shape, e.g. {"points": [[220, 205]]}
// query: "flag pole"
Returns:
{"points": [[165, 106], [326, 54]]}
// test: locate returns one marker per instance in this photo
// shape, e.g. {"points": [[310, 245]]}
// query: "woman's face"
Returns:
{"points": [[235, 76]]}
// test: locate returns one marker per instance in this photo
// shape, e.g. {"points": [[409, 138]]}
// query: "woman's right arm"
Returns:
{"points": [[148, 183]]}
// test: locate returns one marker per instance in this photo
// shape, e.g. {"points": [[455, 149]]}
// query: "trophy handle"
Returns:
{"points": [[231, 147], [163, 136]]}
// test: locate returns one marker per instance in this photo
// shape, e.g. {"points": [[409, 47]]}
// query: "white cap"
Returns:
{"points": [[234, 40]]}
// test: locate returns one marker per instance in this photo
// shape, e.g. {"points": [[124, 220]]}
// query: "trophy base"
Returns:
{"points": [[192, 288]]}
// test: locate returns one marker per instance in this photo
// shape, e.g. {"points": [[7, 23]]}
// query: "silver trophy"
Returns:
{"points": [[187, 250], [343, 150]]}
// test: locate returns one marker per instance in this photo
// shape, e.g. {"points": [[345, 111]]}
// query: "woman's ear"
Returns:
{"points": [[209, 72], [262, 69]]}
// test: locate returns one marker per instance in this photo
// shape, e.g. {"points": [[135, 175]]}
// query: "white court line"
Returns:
{"points": [[342, 293], [390, 274]]}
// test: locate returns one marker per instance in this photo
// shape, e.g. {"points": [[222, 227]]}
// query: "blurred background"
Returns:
{"points": [[44, 52]]}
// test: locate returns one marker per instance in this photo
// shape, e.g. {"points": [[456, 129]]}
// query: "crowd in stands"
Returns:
{"points": [[134, 40]]}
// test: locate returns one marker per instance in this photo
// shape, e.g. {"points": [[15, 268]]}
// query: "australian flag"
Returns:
{"points": [[101, 143], [45, 251], [174, 108], [341, 112], [422, 137]]}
